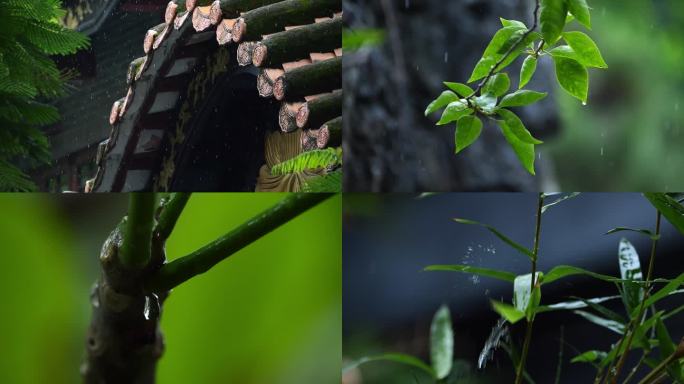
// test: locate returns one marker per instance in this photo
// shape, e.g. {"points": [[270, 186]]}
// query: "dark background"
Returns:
{"points": [[388, 302]]}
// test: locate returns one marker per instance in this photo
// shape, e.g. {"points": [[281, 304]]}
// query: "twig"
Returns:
{"points": [[560, 355], [200, 261], [170, 213], [510, 50], [136, 249], [533, 280], [654, 376]]}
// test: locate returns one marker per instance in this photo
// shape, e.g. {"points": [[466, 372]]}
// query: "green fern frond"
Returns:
{"points": [[54, 39], [317, 159], [12, 179], [11, 87], [28, 112], [331, 182]]}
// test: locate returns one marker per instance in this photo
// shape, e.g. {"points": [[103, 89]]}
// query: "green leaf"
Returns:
{"points": [[516, 126], [663, 292], [354, 39], [589, 357], [575, 304], [523, 300], [441, 343], [444, 99], [564, 51], [467, 131], [573, 77], [552, 19], [500, 235], [668, 207], [630, 269], [461, 89], [667, 347], [527, 70], [508, 312], [486, 102], [392, 357], [512, 23], [608, 324], [454, 111], [316, 159], [521, 98], [493, 273], [497, 85], [491, 54], [646, 232], [585, 48], [524, 151], [562, 271], [580, 10]]}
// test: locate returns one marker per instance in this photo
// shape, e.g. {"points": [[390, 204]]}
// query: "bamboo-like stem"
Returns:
{"points": [[200, 261], [170, 213], [654, 376], [136, 248], [533, 282], [614, 374]]}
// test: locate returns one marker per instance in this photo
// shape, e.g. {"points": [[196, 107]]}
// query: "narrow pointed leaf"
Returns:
{"points": [[524, 151], [589, 357], [444, 99], [663, 292], [562, 271], [527, 70], [392, 357], [575, 304], [558, 201], [608, 324], [493, 273], [585, 48], [630, 269], [500, 235], [646, 232], [521, 98], [468, 129], [668, 207], [572, 77], [441, 343]]}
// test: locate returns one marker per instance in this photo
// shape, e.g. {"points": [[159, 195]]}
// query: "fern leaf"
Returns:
{"points": [[331, 182], [54, 39], [317, 159], [12, 179]]}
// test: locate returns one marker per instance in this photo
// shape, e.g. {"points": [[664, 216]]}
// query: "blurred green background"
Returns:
{"points": [[629, 136], [269, 314]]}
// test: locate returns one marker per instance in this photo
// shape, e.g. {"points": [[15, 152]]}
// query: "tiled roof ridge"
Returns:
{"points": [[294, 44]]}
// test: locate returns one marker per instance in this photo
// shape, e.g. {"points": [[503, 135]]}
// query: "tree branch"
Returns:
{"points": [[510, 50], [170, 213], [200, 261], [135, 247]]}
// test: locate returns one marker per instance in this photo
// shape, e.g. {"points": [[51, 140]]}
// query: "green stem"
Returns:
{"points": [[614, 374], [170, 213], [658, 370], [137, 239], [200, 261], [533, 281]]}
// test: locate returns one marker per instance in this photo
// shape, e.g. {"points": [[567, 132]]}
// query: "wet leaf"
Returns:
{"points": [[486, 102], [467, 131], [562, 271], [517, 127], [523, 300], [441, 343], [392, 357], [572, 77], [512, 23], [444, 99], [461, 89], [608, 324], [508, 312], [454, 111], [491, 54], [630, 269], [580, 10], [552, 19], [527, 70], [521, 98], [497, 85], [493, 273], [576, 304], [646, 232], [663, 292], [524, 151], [668, 207], [586, 50], [559, 200], [500, 235]]}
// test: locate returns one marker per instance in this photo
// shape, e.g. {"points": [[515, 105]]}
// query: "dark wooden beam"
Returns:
{"points": [[316, 112], [321, 77]]}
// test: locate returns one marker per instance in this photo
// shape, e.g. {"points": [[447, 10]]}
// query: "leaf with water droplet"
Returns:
{"points": [[441, 343], [586, 50], [467, 131], [493, 273], [668, 207], [444, 99], [572, 77], [508, 312]]}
